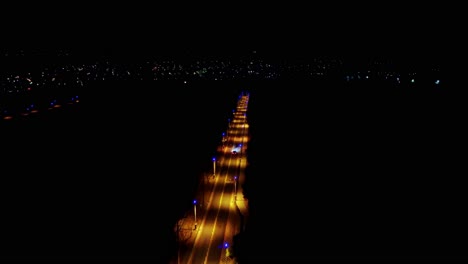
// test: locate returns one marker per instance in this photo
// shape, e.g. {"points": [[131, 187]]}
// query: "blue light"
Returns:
{"points": [[194, 201], [224, 134], [235, 177], [226, 245], [214, 159]]}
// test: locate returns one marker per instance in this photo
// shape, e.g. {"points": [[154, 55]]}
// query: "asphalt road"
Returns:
{"points": [[214, 222]]}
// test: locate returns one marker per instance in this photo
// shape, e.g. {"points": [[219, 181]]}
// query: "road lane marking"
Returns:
{"points": [[217, 215], [205, 216]]}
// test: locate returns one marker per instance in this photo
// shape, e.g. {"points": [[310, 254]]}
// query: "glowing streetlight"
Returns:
{"points": [[235, 188], [195, 212], [214, 166], [228, 252]]}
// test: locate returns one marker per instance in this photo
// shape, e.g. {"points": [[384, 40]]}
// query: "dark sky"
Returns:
{"points": [[332, 28]]}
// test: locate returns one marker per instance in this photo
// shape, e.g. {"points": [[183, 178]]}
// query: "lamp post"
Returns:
{"points": [[195, 212], [235, 188], [214, 167], [178, 242], [228, 254], [203, 191]]}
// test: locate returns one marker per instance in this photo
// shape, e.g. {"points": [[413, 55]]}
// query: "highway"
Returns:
{"points": [[206, 234]]}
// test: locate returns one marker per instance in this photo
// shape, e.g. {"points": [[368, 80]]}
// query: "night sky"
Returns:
{"points": [[357, 29]]}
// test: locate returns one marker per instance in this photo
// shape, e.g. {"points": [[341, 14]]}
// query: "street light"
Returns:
{"points": [[214, 166], [235, 188], [195, 212], [228, 253], [178, 242]]}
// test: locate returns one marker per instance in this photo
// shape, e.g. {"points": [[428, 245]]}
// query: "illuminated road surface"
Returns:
{"points": [[216, 224]]}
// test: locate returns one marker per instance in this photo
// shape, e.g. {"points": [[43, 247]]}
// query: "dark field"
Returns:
{"points": [[335, 171]]}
